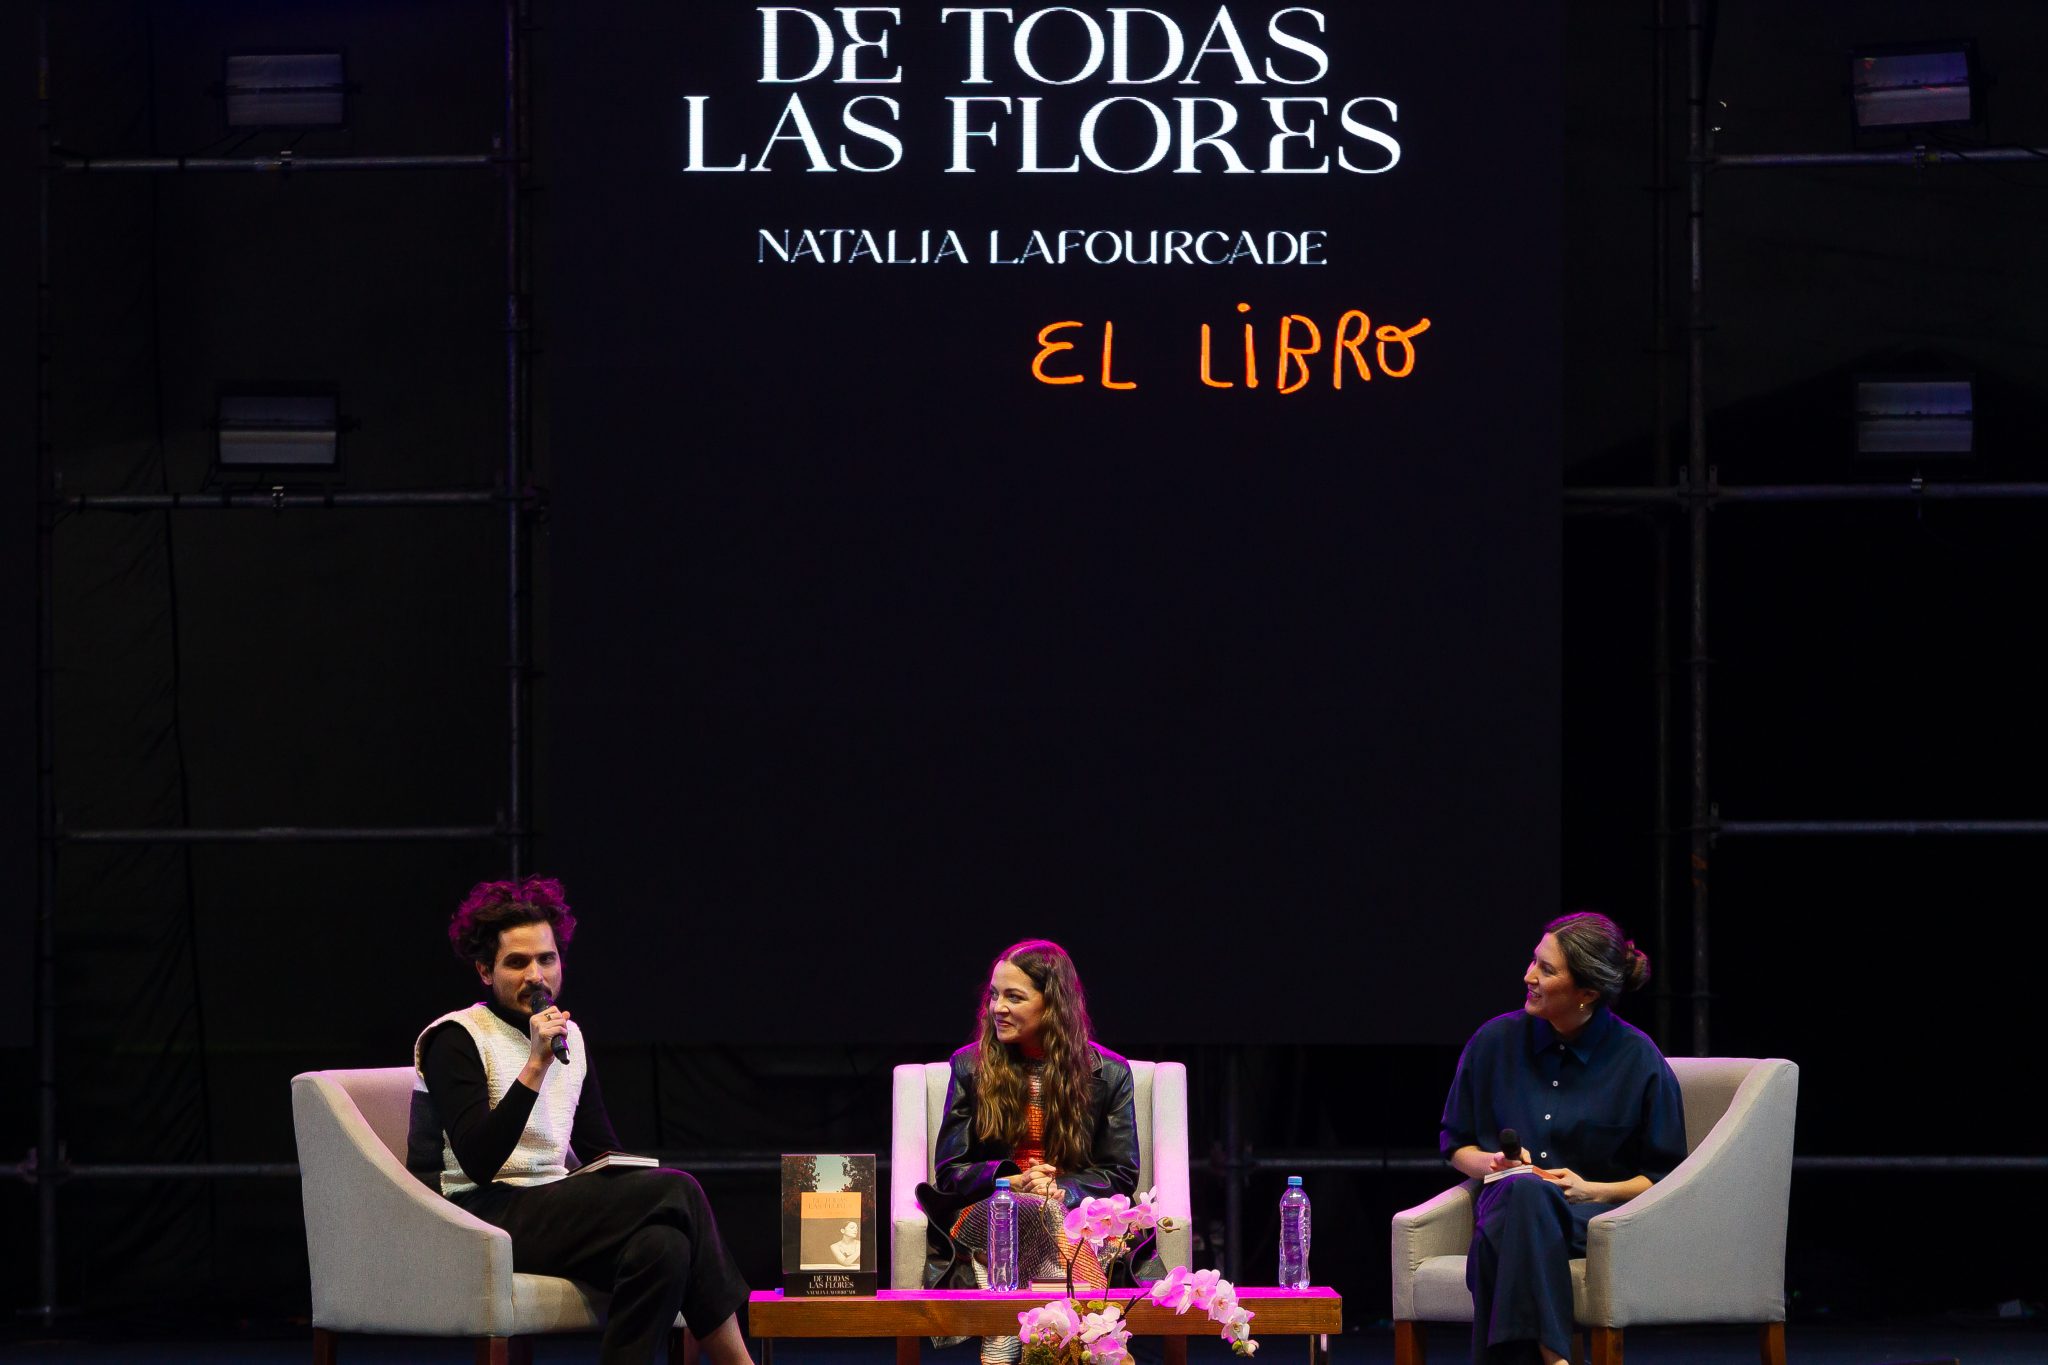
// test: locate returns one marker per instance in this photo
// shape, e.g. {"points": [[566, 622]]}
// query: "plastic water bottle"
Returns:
{"points": [[1002, 1236], [1294, 1235]]}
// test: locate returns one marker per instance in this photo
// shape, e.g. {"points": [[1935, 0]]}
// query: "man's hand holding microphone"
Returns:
{"points": [[547, 1032]]}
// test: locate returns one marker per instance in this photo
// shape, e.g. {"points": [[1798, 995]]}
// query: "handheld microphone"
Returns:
{"points": [[1510, 1144], [542, 1000]]}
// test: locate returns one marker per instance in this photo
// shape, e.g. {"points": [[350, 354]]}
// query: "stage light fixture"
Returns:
{"points": [[1926, 85], [1915, 415], [278, 436], [285, 90]]}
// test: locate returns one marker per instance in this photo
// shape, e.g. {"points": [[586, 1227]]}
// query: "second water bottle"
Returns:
{"points": [[1002, 1236], [1294, 1235]]}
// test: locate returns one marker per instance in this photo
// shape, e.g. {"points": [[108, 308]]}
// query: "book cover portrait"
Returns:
{"points": [[828, 1225]]}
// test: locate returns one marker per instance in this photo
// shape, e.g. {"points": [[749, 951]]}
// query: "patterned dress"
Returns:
{"points": [[1043, 1249]]}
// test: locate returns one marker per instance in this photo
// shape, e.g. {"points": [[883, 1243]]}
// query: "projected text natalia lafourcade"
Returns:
{"points": [[1062, 246]]}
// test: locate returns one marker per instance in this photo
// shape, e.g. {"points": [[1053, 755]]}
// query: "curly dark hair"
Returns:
{"points": [[494, 906]]}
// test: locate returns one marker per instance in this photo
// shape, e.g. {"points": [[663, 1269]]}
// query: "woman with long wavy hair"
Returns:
{"points": [[1036, 1098]]}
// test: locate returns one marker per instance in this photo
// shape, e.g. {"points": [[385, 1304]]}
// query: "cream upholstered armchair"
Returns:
{"points": [[1160, 1093], [1705, 1244], [390, 1256]]}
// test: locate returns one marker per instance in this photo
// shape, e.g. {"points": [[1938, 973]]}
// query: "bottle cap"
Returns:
{"points": [[1293, 1182], [1003, 1182]]}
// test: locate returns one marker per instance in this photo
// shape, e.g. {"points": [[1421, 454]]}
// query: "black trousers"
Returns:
{"points": [[1519, 1269], [647, 1236]]}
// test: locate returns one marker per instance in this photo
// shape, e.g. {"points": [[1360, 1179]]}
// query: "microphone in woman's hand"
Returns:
{"points": [[1510, 1144]]}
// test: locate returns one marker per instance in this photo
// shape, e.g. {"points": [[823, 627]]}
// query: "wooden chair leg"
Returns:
{"points": [[1773, 1343], [494, 1351], [1578, 1347], [907, 1349], [1174, 1350], [323, 1346], [1410, 1346], [1606, 1346]]}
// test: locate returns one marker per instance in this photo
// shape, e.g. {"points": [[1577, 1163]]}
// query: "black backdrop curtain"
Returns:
{"points": [[345, 668]]}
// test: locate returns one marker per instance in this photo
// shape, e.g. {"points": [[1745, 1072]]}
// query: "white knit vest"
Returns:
{"points": [[544, 1145]]}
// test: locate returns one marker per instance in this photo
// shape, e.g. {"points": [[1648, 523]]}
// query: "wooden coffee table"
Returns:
{"points": [[909, 1315]]}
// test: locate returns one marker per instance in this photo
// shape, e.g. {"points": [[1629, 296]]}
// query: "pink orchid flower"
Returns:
{"points": [[1104, 1335], [1205, 1285], [1174, 1291], [1223, 1303], [1109, 1321], [1092, 1221], [1056, 1324], [1207, 1290], [1142, 1214], [1108, 1350]]}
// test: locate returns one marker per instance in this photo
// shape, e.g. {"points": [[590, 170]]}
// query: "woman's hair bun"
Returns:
{"points": [[1635, 970], [1597, 955]]}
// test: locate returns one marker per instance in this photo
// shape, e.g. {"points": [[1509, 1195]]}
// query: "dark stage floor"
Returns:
{"points": [[1919, 1342]]}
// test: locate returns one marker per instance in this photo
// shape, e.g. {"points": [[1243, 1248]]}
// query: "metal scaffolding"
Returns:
{"points": [[47, 1166], [1697, 491]]}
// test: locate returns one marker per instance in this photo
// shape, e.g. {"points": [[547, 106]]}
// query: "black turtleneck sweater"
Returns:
{"points": [[484, 1137]]}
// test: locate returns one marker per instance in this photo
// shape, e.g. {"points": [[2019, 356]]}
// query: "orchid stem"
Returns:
{"points": [[1151, 1235]]}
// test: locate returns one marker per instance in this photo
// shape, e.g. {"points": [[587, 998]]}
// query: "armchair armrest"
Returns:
{"points": [[1440, 1227], [387, 1253], [1170, 1163], [909, 1145], [1706, 1243]]}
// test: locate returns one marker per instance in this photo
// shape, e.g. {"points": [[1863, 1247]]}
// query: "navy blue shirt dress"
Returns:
{"points": [[1605, 1106]]}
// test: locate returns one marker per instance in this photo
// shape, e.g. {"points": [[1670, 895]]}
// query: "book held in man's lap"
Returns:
{"points": [[615, 1161]]}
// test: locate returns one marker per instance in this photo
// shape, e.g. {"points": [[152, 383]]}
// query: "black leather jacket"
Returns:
{"points": [[967, 1166]]}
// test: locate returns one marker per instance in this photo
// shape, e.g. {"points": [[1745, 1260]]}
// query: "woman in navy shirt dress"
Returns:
{"points": [[1599, 1117]]}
